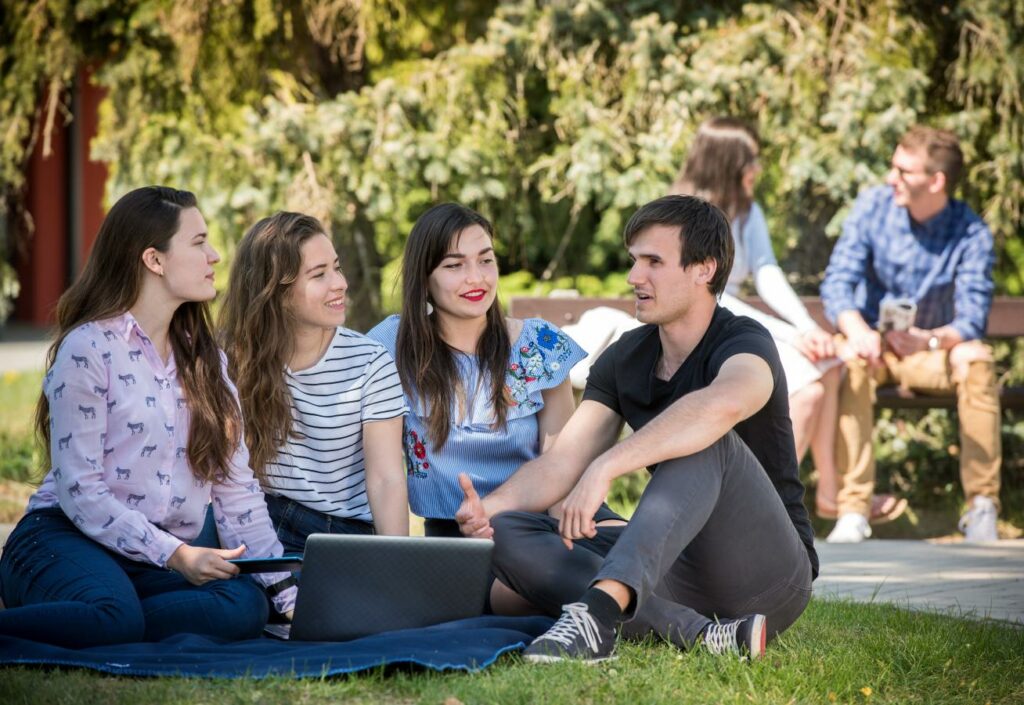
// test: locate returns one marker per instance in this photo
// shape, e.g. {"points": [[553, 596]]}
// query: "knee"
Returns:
{"points": [[509, 527], [119, 622], [245, 608], [963, 356]]}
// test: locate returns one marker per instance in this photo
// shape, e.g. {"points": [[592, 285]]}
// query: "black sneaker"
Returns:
{"points": [[576, 635], [745, 636]]}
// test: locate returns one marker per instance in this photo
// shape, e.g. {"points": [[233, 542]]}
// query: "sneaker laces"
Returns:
{"points": [[721, 638], [576, 620]]}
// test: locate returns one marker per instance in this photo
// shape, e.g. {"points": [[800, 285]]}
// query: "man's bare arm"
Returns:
{"points": [[695, 421], [538, 484], [689, 425]]}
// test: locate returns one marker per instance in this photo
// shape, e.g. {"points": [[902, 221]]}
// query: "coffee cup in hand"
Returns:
{"points": [[897, 314]]}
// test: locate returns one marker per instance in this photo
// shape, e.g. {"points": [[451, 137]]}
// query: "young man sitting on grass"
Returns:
{"points": [[719, 549]]}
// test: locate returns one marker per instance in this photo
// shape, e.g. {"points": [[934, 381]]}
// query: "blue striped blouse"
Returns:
{"points": [[541, 358]]}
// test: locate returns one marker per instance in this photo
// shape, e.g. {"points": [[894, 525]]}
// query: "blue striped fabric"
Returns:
{"points": [[321, 466], [944, 265], [541, 358]]}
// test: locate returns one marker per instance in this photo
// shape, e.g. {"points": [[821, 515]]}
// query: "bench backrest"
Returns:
{"points": [[1005, 320]]}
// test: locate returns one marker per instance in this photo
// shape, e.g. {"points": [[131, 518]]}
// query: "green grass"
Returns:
{"points": [[837, 652], [19, 457]]}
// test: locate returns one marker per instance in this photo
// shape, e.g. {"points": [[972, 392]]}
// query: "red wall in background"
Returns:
{"points": [[94, 174], [44, 268]]}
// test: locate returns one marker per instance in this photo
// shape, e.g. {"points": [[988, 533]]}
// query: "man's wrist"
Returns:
{"points": [[934, 342], [602, 468]]}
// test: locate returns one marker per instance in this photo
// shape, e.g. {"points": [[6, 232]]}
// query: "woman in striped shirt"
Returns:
{"points": [[322, 404], [486, 393]]}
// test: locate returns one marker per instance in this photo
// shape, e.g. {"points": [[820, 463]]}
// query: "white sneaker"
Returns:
{"points": [[850, 528], [979, 522]]}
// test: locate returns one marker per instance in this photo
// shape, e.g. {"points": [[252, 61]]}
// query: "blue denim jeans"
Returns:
{"points": [[294, 523], [63, 588]]}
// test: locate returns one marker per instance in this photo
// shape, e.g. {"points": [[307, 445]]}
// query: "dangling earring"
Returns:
{"points": [[430, 308]]}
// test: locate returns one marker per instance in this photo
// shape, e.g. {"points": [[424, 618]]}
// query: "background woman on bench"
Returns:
{"points": [[322, 404], [486, 393], [141, 428], [722, 167]]}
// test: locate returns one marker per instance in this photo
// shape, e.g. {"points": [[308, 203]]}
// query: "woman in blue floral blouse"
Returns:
{"points": [[486, 393]]}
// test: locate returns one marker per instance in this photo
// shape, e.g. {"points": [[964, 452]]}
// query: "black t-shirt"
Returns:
{"points": [[624, 380]]}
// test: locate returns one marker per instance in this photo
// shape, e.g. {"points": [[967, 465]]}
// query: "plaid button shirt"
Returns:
{"points": [[944, 265]]}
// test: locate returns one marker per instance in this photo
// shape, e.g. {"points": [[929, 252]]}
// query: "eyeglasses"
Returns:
{"points": [[904, 173]]}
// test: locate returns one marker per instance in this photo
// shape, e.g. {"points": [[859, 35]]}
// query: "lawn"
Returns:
{"points": [[19, 456], [837, 652]]}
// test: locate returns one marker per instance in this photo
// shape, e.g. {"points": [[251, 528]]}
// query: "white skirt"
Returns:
{"points": [[799, 370]]}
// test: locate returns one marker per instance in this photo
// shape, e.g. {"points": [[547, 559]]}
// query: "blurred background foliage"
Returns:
{"points": [[555, 119]]}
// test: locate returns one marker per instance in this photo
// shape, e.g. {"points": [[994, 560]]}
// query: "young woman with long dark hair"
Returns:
{"points": [[141, 429], [486, 393], [722, 167], [323, 405]]}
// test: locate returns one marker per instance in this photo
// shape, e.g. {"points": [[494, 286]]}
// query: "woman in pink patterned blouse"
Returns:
{"points": [[142, 429]]}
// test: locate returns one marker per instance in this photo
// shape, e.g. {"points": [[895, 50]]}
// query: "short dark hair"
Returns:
{"points": [[942, 150], [704, 232]]}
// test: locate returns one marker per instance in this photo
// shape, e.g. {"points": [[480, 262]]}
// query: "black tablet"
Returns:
{"points": [[278, 564]]}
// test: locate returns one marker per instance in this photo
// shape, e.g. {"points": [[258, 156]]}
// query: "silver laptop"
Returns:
{"points": [[356, 585]]}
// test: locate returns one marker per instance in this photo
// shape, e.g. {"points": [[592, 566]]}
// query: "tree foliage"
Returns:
{"points": [[556, 118]]}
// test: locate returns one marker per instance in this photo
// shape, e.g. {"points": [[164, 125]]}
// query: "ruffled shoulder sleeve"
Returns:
{"points": [[541, 358]]}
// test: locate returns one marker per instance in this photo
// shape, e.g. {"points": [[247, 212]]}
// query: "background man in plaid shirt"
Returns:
{"points": [[911, 240]]}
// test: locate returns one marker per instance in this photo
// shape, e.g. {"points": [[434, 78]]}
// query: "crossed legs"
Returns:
{"points": [[709, 540]]}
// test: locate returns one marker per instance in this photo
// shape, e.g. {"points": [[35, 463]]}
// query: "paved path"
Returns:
{"points": [[976, 580], [22, 348]]}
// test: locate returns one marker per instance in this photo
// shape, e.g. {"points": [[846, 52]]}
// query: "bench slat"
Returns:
{"points": [[1006, 319]]}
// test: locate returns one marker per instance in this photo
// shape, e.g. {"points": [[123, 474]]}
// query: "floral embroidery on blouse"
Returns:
{"points": [[415, 454], [537, 359]]}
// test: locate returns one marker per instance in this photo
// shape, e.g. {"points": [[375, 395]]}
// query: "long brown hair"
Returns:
{"points": [[258, 331], [723, 149], [426, 365], [110, 284]]}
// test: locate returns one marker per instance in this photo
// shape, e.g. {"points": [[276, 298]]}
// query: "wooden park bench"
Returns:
{"points": [[1005, 321]]}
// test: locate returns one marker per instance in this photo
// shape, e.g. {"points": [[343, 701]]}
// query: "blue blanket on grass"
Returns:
{"points": [[467, 645]]}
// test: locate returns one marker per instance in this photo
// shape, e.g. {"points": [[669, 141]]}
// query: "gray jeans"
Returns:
{"points": [[710, 539]]}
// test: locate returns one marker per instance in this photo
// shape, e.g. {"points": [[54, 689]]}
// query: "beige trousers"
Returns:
{"points": [[924, 372]]}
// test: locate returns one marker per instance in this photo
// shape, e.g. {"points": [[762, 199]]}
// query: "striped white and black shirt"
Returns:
{"points": [[321, 466]]}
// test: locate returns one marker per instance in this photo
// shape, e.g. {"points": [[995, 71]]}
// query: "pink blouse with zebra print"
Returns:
{"points": [[120, 471]]}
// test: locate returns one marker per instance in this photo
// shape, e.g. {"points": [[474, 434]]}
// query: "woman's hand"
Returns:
{"points": [[815, 344], [201, 565]]}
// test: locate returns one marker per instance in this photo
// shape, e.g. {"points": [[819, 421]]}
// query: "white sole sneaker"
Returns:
{"points": [[545, 658]]}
